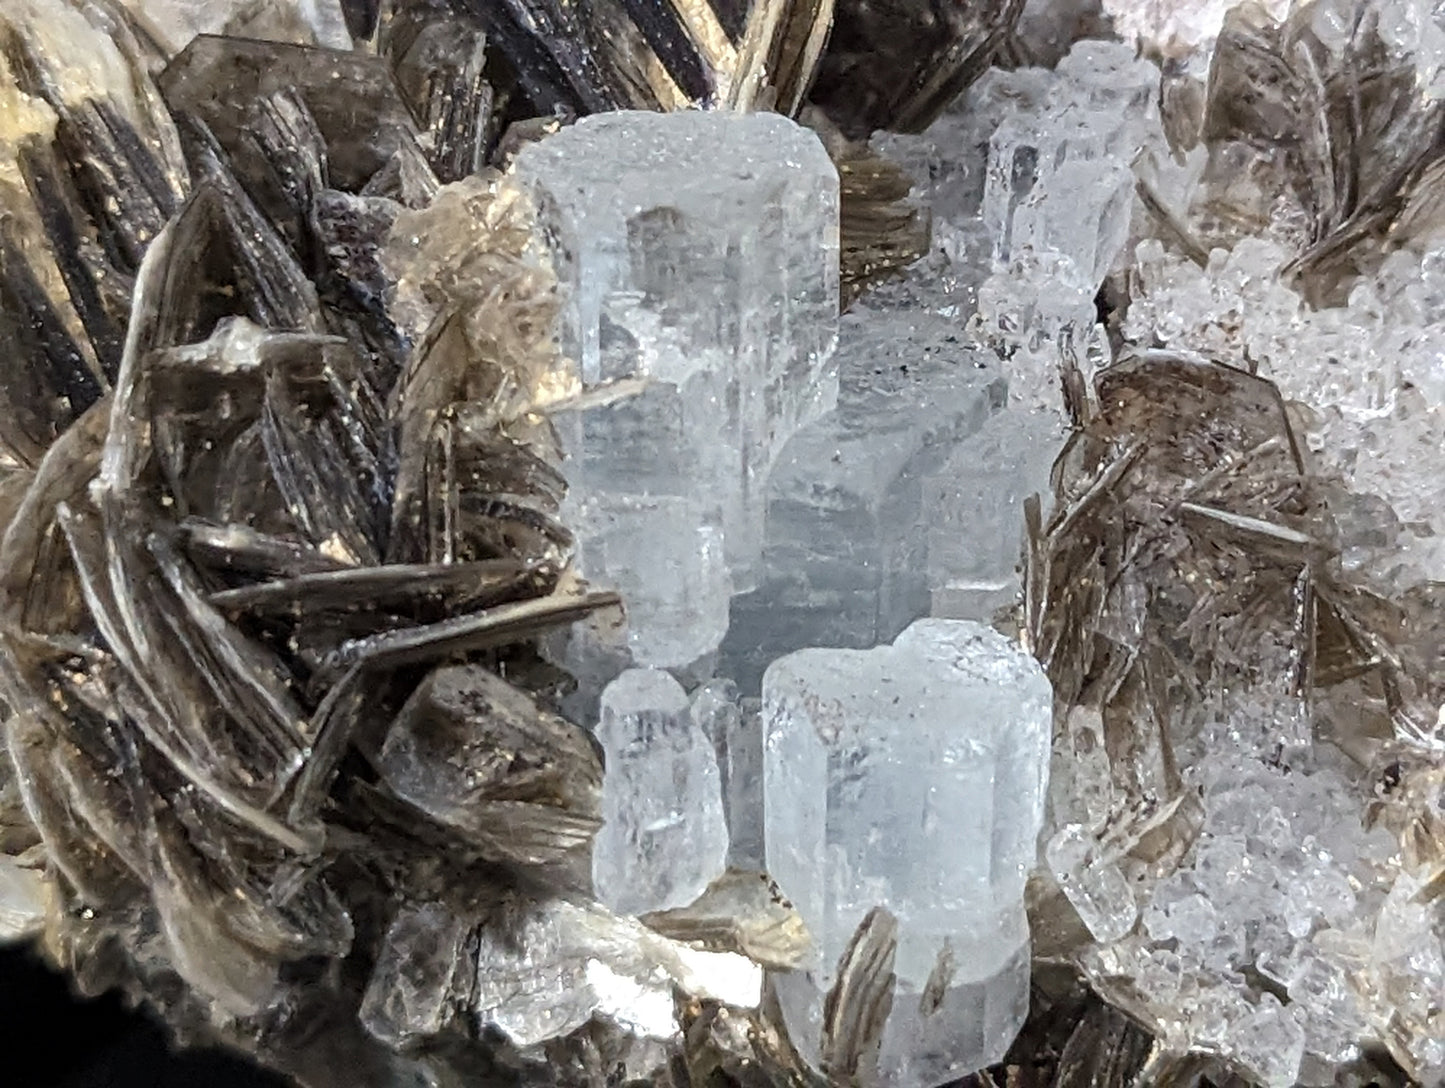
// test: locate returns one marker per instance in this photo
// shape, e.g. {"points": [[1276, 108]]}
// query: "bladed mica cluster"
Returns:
{"points": [[710, 543]]}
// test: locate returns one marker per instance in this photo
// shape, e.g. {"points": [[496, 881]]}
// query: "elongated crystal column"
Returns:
{"points": [[697, 257], [912, 777], [664, 834]]}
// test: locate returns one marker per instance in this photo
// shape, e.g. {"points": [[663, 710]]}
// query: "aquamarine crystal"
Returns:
{"points": [[848, 505], [697, 255], [664, 837], [912, 777]]}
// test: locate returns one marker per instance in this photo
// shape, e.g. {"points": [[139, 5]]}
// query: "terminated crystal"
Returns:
{"points": [[664, 838], [847, 517], [698, 259], [1058, 193], [413, 989], [911, 778]]}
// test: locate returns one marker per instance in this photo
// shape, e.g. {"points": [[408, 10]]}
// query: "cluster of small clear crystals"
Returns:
{"points": [[1271, 927], [1370, 373], [1285, 881]]}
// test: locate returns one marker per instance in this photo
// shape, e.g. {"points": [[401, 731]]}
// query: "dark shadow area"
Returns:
{"points": [[52, 1040]]}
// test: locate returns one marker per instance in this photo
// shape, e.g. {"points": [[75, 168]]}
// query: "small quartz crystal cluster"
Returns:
{"points": [[731, 543]]}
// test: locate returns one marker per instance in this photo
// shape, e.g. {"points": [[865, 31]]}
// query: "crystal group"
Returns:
{"points": [[848, 513], [910, 776], [518, 518]]}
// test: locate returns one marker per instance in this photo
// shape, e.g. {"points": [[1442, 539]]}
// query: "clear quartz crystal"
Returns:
{"points": [[698, 259], [912, 777], [664, 836]]}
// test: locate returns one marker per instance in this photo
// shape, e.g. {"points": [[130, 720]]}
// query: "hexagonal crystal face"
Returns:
{"points": [[912, 777]]}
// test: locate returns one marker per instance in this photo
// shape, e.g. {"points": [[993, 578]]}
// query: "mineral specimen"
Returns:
{"points": [[975, 531], [911, 778], [846, 554], [333, 374], [699, 268], [664, 837]]}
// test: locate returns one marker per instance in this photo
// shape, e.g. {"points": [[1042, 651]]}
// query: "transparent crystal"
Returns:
{"points": [[849, 512], [736, 731], [698, 251], [1093, 883], [664, 554], [1058, 193], [664, 835], [911, 777], [976, 531]]}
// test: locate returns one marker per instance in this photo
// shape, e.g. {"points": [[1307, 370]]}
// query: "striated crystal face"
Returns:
{"points": [[698, 245], [911, 777], [698, 261], [849, 505], [975, 531]]}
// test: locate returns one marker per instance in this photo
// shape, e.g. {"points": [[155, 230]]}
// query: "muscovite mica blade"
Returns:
{"points": [[658, 54], [895, 64], [90, 169]]}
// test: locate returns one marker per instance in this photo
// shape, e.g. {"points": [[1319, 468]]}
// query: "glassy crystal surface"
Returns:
{"points": [[976, 531], [911, 777], [1057, 202], [414, 989], [644, 471], [697, 252], [284, 443], [848, 517], [664, 835], [736, 730]]}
